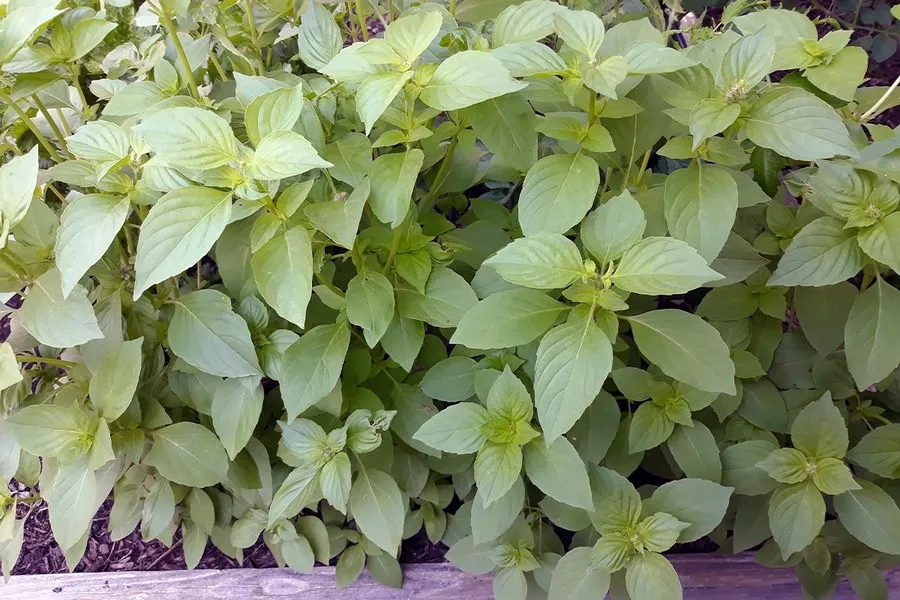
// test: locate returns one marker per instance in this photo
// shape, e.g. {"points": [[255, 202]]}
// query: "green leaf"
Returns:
{"points": [[796, 515], [650, 427], [335, 481], [575, 578], [446, 299], [786, 465], [189, 138], [320, 38], [88, 226], [506, 125], [451, 380], [99, 141], [274, 111], [881, 241], [841, 77], [823, 313], [833, 477], [613, 227], [352, 158], [378, 91], [823, 253], [763, 405], [236, 407], [695, 451], [696, 501], [208, 335], [378, 508], [557, 192], [339, 220], [295, 493], [701, 204], [188, 454], [871, 516], [524, 59], [473, 11], [72, 503], [55, 320], [370, 304], [686, 348], [660, 265], [349, 566], [650, 576], [9, 369], [467, 78], [510, 584], [283, 270], [709, 117], [573, 361], [617, 505], [179, 231], [740, 468], [541, 261], [603, 78], [489, 523], [869, 342], [581, 30], [403, 340], [393, 179], [18, 178], [312, 366], [497, 466], [298, 554], [457, 429], [385, 569], [528, 21], [284, 154], [879, 451], [19, 25], [748, 60], [797, 125], [411, 35], [506, 319], [819, 431], [558, 471], [113, 385], [52, 430]]}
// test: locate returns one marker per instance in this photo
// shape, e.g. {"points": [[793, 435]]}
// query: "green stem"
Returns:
{"points": [[453, 7], [51, 122], [62, 120], [182, 55], [640, 176], [870, 273], [75, 70], [431, 199], [362, 21], [218, 66], [395, 245], [30, 124], [30, 358], [254, 34]]}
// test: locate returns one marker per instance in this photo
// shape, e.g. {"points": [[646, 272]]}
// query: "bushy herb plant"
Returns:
{"points": [[332, 274]]}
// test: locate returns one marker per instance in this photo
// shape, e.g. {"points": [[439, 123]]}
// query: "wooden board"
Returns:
{"points": [[704, 577]]}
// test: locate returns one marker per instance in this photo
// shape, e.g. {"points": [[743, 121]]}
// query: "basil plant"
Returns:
{"points": [[332, 274]]}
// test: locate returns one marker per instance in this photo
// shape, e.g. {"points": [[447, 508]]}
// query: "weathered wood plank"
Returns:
{"points": [[704, 577]]}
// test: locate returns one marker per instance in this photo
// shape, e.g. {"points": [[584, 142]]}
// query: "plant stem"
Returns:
{"points": [[362, 21], [395, 245], [640, 176], [51, 122], [453, 7], [30, 124], [75, 70], [182, 55], [431, 199], [31, 358], [218, 66], [63, 122], [866, 115], [254, 34]]}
